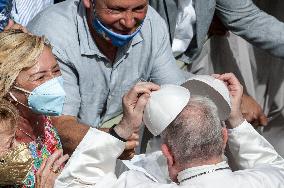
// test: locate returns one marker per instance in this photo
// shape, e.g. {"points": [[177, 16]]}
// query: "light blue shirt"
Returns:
{"points": [[94, 85]]}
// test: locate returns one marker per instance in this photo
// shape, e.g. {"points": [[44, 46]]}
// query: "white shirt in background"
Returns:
{"points": [[185, 26]]}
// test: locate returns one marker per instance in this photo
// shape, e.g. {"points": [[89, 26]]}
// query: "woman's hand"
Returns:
{"points": [[50, 169]]}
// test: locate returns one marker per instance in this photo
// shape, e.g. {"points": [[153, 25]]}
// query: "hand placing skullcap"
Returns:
{"points": [[212, 88]]}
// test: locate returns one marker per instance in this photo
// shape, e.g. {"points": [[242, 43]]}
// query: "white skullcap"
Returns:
{"points": [[165, 104], [163, 107], [212, 88]]}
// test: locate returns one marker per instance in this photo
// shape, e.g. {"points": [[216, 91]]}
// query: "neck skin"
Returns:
{"points": [[104, 46], [196, 163], [32, 125]]}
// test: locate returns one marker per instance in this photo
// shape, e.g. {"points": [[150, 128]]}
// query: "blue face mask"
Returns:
{"points": [[5, 13], [115, 38], [47, 98]]}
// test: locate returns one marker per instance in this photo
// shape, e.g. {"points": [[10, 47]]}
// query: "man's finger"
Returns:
{"points": [[248, 117], [263, 120], [142, 101], [138, 89], [216, 75], [134, 137], [230, 78], [131, 144], [127, 154]]}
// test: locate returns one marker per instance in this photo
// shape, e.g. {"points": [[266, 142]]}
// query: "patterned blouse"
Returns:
{"points": [[41, 149]]}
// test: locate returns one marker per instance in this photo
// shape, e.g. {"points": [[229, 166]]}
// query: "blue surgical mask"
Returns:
{"points": [[47, 98], [115, 38]]}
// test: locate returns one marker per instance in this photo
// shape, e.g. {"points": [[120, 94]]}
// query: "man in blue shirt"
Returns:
{"points": [[104, 48]]}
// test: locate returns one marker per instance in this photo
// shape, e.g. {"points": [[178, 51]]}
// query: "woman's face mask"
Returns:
{"points": [[15, 165], [47, 98]]}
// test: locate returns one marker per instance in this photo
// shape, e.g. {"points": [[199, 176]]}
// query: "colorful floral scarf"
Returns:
{"points": [[42, 149]]}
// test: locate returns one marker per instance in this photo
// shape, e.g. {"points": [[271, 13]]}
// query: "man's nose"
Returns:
{"points": [[128, 20]]}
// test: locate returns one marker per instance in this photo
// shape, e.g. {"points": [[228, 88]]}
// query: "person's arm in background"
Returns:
{"points": [[262, 30], [245, 19], [249, 149]]}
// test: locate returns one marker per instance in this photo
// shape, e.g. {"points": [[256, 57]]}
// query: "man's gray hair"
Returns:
{"points": [[196, 133]]}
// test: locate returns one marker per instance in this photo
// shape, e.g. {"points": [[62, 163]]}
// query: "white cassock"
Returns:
{"points": [[93, 164]]}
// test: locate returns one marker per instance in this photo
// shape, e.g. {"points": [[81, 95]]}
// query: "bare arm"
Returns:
{"points": [[71, 132]]}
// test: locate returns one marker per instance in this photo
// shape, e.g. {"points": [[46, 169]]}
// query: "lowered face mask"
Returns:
{"points": [[115, 38], [15, 165], [46, 99]]}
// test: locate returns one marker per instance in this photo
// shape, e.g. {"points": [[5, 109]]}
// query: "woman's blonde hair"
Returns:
{"points": [[9, 114], [18, 51]]}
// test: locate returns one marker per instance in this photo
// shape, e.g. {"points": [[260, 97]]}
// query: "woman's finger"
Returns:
{"points": [[49, 164], [59, 163], [39, 173]]}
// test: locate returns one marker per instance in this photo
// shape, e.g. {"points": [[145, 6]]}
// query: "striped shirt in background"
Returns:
{"points": [[25, 10]]}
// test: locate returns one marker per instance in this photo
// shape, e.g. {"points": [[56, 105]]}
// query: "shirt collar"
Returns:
{"points": [[87, 43], [200, 170]]}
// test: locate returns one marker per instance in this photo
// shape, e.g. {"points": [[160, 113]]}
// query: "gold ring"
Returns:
{"points": [[55, 171]]}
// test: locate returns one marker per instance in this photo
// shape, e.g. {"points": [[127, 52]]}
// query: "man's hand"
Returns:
{"points": [[13, 25], [252, 111], [133, 107], [130, 146], [236, 92]]}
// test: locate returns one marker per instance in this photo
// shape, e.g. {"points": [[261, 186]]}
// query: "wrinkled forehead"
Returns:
{"points": [[120, 3]]}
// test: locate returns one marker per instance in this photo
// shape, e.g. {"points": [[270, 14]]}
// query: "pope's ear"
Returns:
{"points": [[167, 153], [225, 137]]}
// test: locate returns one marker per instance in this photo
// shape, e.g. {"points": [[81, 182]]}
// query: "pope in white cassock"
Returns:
{"points": [[189, 120]]}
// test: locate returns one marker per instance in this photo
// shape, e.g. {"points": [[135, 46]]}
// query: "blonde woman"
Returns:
{"points": [[31, 82]]}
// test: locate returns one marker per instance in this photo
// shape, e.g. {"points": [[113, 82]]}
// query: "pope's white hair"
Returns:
{"points": [[196, 133]]}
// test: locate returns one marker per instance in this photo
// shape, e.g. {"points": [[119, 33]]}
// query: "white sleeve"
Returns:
{"points": [[250, 149], [94, 158]]}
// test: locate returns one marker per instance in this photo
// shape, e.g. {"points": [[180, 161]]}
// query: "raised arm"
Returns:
{"points": [[245, 19], [249, 149]]}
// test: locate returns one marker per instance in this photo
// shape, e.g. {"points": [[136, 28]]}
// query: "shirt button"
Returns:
{"points": [[108, 65]]}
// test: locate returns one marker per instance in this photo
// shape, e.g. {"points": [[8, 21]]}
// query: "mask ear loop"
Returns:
{"points": [[23, 90], [16, 100]]}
